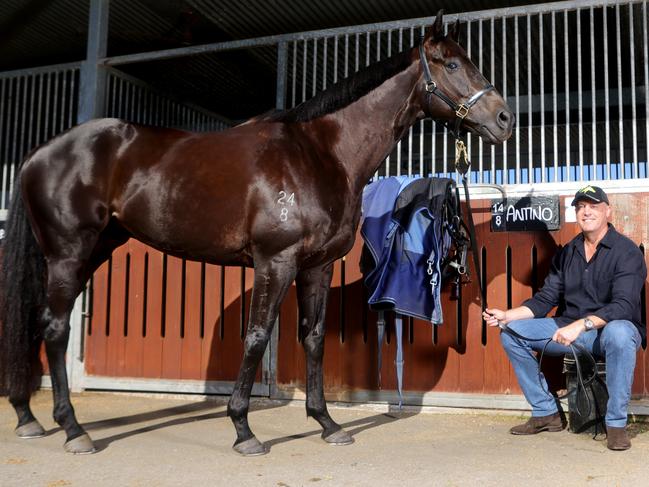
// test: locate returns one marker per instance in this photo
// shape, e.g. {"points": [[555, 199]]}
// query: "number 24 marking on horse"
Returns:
{"points": [[285, 199]]}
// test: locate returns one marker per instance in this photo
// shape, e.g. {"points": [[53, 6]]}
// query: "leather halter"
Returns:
{"points": [[461, 110]]}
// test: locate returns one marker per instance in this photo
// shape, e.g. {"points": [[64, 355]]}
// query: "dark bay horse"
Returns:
{"points": [[280, 193]]}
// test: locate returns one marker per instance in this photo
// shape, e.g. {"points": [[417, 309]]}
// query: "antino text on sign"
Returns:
{"points": [[534, 213]]}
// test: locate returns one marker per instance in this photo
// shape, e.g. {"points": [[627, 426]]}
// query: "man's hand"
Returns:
{"points": [[494, 316], [569, 333]]}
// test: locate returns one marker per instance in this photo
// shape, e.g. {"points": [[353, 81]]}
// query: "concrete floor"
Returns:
{"points": [[148, 440]]}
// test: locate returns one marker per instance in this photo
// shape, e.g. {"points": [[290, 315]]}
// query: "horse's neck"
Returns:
{"points": [[369, 127]]}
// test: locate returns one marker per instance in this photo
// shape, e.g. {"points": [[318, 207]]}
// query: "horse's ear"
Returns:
{"points": [[454, 31], [436, 31]]}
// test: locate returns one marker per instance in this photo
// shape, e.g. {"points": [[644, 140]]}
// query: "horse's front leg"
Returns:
{"points": [[272, 279], [312, 292]]}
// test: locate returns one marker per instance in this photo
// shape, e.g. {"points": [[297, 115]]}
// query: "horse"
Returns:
{"points": [[280, 192]]}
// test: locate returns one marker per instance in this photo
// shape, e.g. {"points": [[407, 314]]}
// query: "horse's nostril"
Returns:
{"points": [[504, 118]]}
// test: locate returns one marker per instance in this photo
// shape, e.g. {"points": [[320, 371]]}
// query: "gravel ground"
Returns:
{"points": [[150, 440]]}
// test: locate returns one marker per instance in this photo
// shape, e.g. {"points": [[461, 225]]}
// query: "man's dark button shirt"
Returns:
{"points": [[608, 286]]}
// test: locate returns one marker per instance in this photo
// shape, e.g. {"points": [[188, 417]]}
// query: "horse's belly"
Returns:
{"points": [[193, 237]]}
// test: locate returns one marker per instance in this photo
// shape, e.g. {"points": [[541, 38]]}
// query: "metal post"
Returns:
{"points": [[269, 361], [93, 76]]}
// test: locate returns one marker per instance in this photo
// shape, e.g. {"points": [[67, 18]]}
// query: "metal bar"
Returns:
{"points": [[445, 140], [335, 75], [399, 143], [14, 156], [505, 144], [387, 159], [580, 103], [542, 96], [32, 111], [282, 68], [324, 64], [40, 70], [305, 47], [492, 74], [315, 66], [433, 150], [634, 126], [555, 122], [620, 107], [468, 51], [566, 63], [64, 100], [530, 134], [593, 90], [3, 142], [367, 49], [607, 138], [378, 58], [346, 56], [46, 129], [645, 59], [294, 75], [410, 130], [480, 143], [73, 99], [516, 97]]}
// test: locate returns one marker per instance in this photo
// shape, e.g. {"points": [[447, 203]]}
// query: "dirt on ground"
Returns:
{"points": [[150, 440]]}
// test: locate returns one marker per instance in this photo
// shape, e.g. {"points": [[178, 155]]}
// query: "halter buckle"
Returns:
{"points": [[462, 111], [430, 84]]}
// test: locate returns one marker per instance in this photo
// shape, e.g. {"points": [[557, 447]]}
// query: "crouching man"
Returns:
{"points": [[597, 277]]}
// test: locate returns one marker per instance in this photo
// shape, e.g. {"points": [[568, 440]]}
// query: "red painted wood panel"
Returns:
{"points": [[134, 340], [153, 339], [172, 343]]}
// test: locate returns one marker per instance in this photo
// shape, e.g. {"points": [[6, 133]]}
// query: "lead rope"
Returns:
{"points": [[463, 166]]}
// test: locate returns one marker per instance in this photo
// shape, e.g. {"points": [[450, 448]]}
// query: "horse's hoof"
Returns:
{"points": [[30, 430], [340, 437], [250, 448], [81, 445]]}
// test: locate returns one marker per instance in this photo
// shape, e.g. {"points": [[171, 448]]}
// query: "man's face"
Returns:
{"points": [[592, 217]]}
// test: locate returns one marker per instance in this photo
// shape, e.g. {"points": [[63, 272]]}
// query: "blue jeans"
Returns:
{"points": [[618, 342]]}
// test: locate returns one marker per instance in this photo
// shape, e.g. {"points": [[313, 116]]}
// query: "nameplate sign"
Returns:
{"points": [[529, 213]]}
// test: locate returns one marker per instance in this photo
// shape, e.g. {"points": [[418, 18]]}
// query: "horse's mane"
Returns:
{"points": [[344, 92]]}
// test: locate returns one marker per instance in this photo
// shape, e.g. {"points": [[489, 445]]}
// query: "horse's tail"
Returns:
{"points": [[22, 297]]}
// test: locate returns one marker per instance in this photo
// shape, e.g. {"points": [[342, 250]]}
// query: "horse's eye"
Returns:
{"points": [[452, 66]]}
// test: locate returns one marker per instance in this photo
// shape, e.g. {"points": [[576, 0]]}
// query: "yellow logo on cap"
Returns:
{"points": [[587, 189]]}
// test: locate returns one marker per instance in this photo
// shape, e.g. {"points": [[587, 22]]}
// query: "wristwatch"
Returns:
{"points": [[589, 324]]}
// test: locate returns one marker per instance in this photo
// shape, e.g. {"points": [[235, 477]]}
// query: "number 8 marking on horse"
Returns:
{"points": [[284, 200]]}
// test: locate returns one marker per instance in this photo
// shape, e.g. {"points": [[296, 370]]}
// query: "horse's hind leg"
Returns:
{"points": [[312, 291], [64, 285], [272, 279], [66, 277]]}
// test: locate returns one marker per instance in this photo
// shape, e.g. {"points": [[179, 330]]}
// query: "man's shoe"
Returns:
{"points": [[552, 422], [617, 439]]}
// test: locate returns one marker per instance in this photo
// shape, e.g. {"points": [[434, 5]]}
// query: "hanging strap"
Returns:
{"points": [[463, 166], [380, 327], [398, 326]]}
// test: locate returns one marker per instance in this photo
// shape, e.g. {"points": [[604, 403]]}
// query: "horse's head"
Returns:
{"points": [[452, 89]]}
